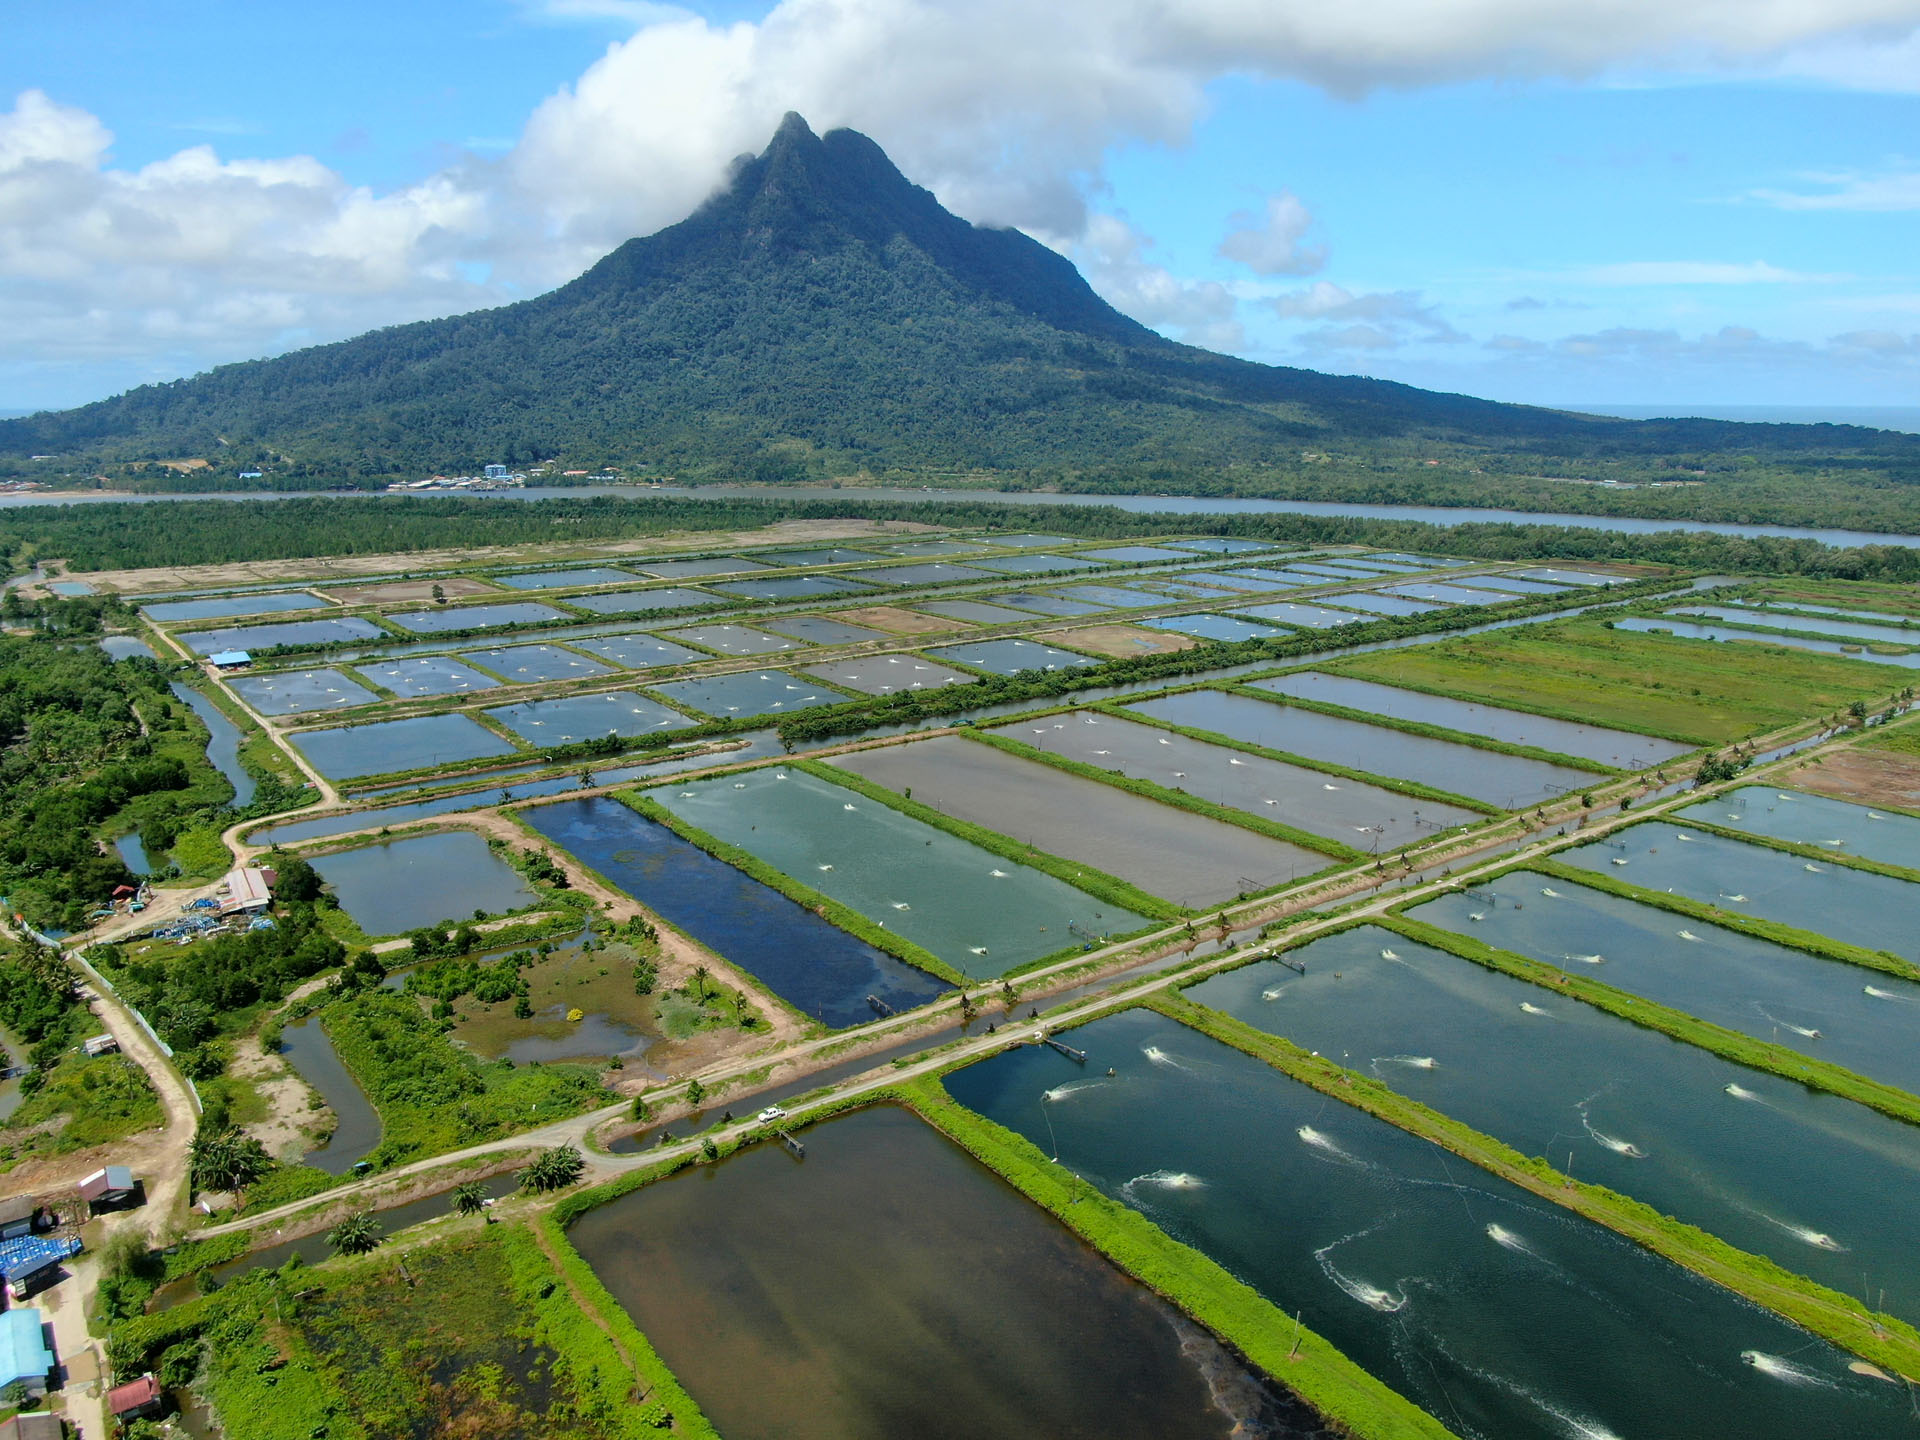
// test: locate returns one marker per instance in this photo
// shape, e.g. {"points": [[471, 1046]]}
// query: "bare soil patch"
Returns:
{"points": [[294, 1122], [1866, 777], [1121, 640], [453, 587], [893, 618]]}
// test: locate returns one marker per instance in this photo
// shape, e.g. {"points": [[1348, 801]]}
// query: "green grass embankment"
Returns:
{"points": [[1887, 1342]]}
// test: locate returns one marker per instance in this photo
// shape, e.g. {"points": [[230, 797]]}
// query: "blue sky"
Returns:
{"points": [[1702, 204]]}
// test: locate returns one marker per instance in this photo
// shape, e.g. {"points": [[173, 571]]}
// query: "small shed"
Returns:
{"points": [[24, 1356], [31, 1261], [101, 1045], [109, 1186], [247, 889], [230, 660], [136, 1399], [36, 1425], [18, 1217]]}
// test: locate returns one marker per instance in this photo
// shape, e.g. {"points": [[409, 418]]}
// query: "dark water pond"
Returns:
{"points": [[400, 885], [307, 1048], [890, 1286], [223, 744], [476, 617], [294, 692], [291, 632], [1504, 1315], [566, 579], [390, 745]]}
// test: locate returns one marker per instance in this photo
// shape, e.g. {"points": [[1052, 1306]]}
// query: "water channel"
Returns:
{"points": [[357, 1129], [223, 744]]}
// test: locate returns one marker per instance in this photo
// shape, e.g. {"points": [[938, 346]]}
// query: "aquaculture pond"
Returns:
{"points": [[927, 1301], [819, 630], [1808, 819], [1688, 630], [1847, 629], [936, 572], [293, 692], [357, 1124], [1508, 585], [1042, 603], [532, 664], [703, 565], [220, 609], [1112, 597], [223, 743], [974, 612], [928, 548], [125, 647], [815, 967], [477, 617], [826, 555], [390, 745], [566, 579], [1619, 748], [1136, 554], [1500, 1313], [330, 631], [1375, 602], [1852, 905], [1221, 545], [1215, 627], [133, 853], [395, 886], [638, 652], [1027, 540], [1286, 579], [884, 674], [1010, 657], [1311, 617], [644, 602], [1858, 1018], [1509, 781], [1247, 581], [750, 692], [1565, 577], [587, 717], [733, 639], [790, 587], [1350, 811], [1179, 856], [1449, 594], [1767, 1165], [979, 912], [421, 675]]}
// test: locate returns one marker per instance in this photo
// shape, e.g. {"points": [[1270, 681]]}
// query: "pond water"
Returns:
{"points": [[390, 745], [1568, 577], [1872, 616], [1199, 592], [1689, 631], [1027, 540], [133, 853], [927, 549], [734, 639], [1852, 630], [395, 886], [1865, 1021], [12, 1053], [638, 652], [1375, 603], [532, 664], [1619, 748], [750, 692], [308, 1050], [587, 717], [1505, 1315], [1809, 819], [1762, 1163], [820, 630], [884, 674], [293, 632], [293, 692], [1239, 580], [703, 565], [1311, 617], [644, 602], [426, 675], [1222, 545], [125, 647], [1010, 657], [790, 587], [1450, 594], [977, 911], [1215, 627], [223, 745], [1852, 905], [1350, 811], [231, 605], [927, 1301], [1509, 584], [976, 612], [566, 579], [1509, 781], [1326, 569], [1044, 604], [1174, 854], [817, 968], [477, 617], [1287, 579], [826, 555], [1112, 597], [1136, 554], [934, 573]]}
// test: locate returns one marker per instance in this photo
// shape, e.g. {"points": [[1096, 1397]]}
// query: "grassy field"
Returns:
{"points": [[83, 1102], [1693, 691], [1843, 594]]}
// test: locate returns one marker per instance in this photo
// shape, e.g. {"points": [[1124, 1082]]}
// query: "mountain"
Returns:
{"points": [[823, 315]]}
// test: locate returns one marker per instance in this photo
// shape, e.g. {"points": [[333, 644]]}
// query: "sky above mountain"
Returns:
{"points": [[1696, 202]]}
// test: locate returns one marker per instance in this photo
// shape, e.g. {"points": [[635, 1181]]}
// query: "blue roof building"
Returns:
{"points": [[23, 1351]]}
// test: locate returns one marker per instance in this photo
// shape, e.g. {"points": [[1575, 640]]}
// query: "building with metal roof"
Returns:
{"points": [[24, 1357]]}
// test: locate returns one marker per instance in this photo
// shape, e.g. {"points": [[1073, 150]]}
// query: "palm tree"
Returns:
{"points": [[355, 1235], [228, 1160], [553, 1169], [469, 1198], [701, 975]]}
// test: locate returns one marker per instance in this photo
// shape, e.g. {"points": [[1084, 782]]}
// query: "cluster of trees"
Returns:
{"points": [[38, 1004], [446, 981]]}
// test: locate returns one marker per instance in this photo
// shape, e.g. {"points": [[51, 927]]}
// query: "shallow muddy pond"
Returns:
{"points": [[222, 608], [1010, 657], [817, 968], [1858, 1018], [1174, 854], [1764, 1164], [400, 885], [294, 692], [587, 717], [1809, 819], [477, 617], [884, 674], [978, 911], [293, 632], [1500, 1312], [1349, 811], [929, 1299], [1509, 781], [1618, 748], [390, 745], [1852, 905]]}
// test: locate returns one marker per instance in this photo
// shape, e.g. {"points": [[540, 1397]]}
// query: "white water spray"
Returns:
{"points": [[1476, 915], [1877, 993], [1528, 1007], [1620, 862], [1688, 935], [1160, 1057], [998, 874], [1167, 1180], [1781, 1368], [1388, 955], [1061, 1092], [1814, 869], [1326, 1144], [1273, 992], [1550, 892], [1412, 1062], [1586, 959]]}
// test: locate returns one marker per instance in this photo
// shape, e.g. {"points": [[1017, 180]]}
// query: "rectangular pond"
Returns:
{"points": [[1619, 748], [734, 639], [751, 692], [588, 717], [1037, 564], [533, 664], [789, 587], [1375, 603], [400, 885], [1868, 1022], [1448, 593], [1569, 577], [1349, 811], [977, 911], [1809, 819], [1764, 1164], [1687, 630], [930, 549], [331, 631], [638, 652], [926, 1302], [1042, 603], [932, 573], [1511, 1318], [477, 617], [645, 602], [884, 674], [1310, 617], [1508, 781], [1852, 905], [390, 745], [1508, 585], [1136, 554], [1216, 627], [1221, 545], [1113, 597], [566, 579], [1285, 579], [817, 968], [293, 692], [1177, 855], [420, 675], [825, 555], [1010, 657], [700, 565], [220, 609], [1027, 540], [974, 612], [820, 630], [1251, 582], [1846, 629]]}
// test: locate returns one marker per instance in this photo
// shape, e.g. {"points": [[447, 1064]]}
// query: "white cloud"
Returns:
{"points": [[1270, 243], [1113, 256], [1891, 190], [1698, 272], [1380, 320]]}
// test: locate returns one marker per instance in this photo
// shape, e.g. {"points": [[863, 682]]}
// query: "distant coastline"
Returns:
{"points": [[1874, 417]]}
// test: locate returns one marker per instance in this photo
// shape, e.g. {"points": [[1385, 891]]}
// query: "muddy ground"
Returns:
{"points": [[1120, 640]]}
